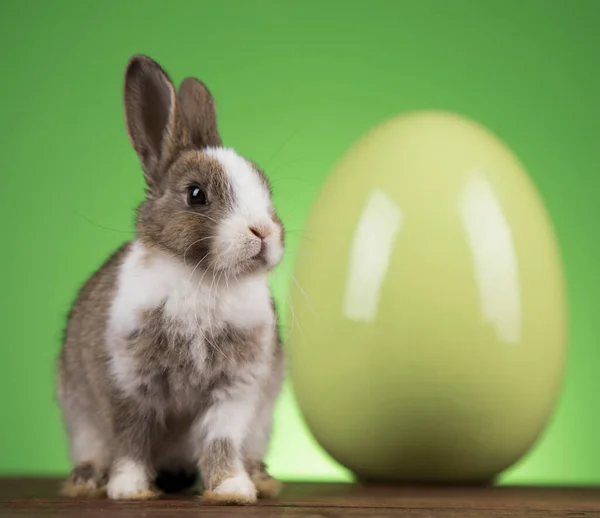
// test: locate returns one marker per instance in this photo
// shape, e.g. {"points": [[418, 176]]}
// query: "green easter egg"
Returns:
{"points": [[428, 333]]}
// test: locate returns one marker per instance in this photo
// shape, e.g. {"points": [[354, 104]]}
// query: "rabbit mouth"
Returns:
{"points": [[253, 257], [258, 259], [258, 254], [261, 255], [257, 262]]}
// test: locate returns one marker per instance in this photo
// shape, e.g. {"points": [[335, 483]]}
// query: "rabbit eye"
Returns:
{"points": [[196, 195]]}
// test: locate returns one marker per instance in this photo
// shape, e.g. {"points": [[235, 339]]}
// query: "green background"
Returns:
{"points": [[296, 84]]}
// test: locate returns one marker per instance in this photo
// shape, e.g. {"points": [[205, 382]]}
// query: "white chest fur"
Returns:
{"points": [[147, 281], [201, 308]]}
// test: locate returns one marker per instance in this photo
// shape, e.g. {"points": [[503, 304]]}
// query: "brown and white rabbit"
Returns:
{"points": [[172, 360]]}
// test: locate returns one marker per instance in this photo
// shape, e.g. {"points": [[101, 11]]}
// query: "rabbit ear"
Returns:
{"points": [[152, 115], [200, 111]]}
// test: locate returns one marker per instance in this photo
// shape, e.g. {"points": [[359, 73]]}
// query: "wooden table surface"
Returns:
{"points": [[37, 498]]}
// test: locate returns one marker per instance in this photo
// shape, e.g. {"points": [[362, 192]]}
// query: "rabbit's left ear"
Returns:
{"points": [[200, 111]]}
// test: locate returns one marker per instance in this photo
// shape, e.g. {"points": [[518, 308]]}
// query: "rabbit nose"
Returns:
{"points": [[259, 232]]}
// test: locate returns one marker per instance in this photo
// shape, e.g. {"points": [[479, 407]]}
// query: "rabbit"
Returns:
{"points": [[172, 360]]}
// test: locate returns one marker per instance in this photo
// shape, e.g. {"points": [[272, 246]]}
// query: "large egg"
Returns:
{"points": [[428, 333]]}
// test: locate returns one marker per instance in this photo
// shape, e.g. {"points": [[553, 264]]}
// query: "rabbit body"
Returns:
{"points": [[172, 361]]}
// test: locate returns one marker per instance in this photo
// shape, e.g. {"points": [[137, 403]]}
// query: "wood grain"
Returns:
{"points": [[37, 498]]}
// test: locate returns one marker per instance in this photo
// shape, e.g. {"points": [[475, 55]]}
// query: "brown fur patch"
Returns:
{"points": [[166, 222], [217, 462], [221, 352], [84, 385], [167, 365]]}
